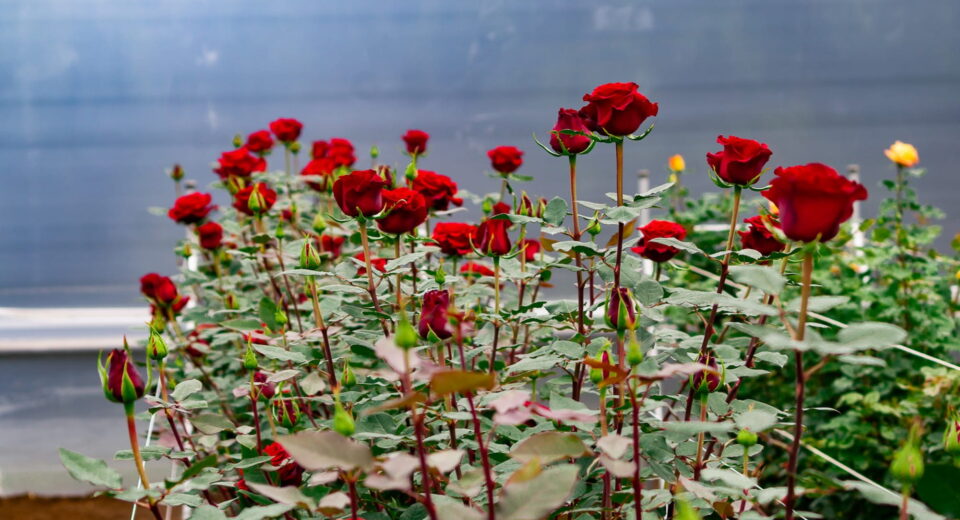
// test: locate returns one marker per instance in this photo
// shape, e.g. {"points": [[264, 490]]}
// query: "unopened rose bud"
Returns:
{"points": [[280, 317], [525, 206], [746, 438], [177, 172], [237, 141], [951, 437], [342, 420], [686, 512], [907, 465], [487, 206], [286, 412], [440, 276], [706, 381], [294, 147], [348, 379], [250, 358], [309, 257], [621, 313], [634, 354], [187, 250], [256, 203], [374, 152], [411, 172], [596, 376], [319, 223], [406, 335], [230, 301], [594, 227], [120, 380], [156, 347], [676, 163], [281, 232]]}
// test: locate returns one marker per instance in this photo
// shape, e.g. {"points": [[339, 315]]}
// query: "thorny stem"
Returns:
{"points": [[791, 498], [700, 436], [286, 283], [496, 311], [418, 434], [616, 268], [371, 288], [637, 498], [484, 457], [256, 413], [352, 485], [581, 329], [318, 316], [138, 458]]}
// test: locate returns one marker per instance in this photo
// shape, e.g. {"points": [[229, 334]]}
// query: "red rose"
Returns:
{"points": [[290, 473], [454, 237], [331, 245], [659, 229], [341, 152], [120, 379], [530, 249], [211, 235], [477, 269], [813, 200], [406, 209], [741, 161], [501, 208], [265, 389], [287, 130], [262, 200], [416, 141], [505, 159], [191, 208], [379, 264], [616, 109], [322, 171], [360, 193], [158, 288], [433, 315], [569, 119], [319, 149], [239, 163], [438, 189], [492, 238], [259, 142], [758, 237]]}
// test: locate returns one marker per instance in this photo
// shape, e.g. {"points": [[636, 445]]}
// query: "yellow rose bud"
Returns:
{"points": [[903, 154], [676, 163]]}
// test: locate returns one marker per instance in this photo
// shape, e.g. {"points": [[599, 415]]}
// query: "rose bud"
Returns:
{"points": [[250, 358], [594, 228], [259, 142], [902, 154], [492, 238], [360, 193], [348, 379], [342, 420], [621, 313], [525, 206], [211, 235], [440, 276], [156, 347], [120, 379], [741, 161], [454, 238], [319, 174], [416, 141], [951, 437], [501, 208], [286, 412], [255, 200], [406, 210], [569, 119], [616, 109], [475, 269], [238, 163], [659, 229], [505, 159], [634, 353], [758, 237], [530, 249], [813, 200], [176, 173], [159, 289], [374, 151], [287, 130], [434, 315], [746, 438], [309, 257], [706, 381], [405, 337], [907, 466], [318, 223], [676, 164], [231, 301], [439, 190], [262, 387], [191, 208], [295, 148]]}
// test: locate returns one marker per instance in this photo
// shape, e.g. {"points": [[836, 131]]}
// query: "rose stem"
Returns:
{"points": [[636, 449], [137, 457], [616, 268], [700, 437], [371, 288], [256, 413], [352, 484], [496, 310], [484, 457], [286, 282], [721, 285], [798, 356], [581, 330], [399, 278], [418, 434], [161, 367], [318, 317]]}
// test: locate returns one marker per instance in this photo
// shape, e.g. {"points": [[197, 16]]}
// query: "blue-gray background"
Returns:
{"points": [[97, 98]]}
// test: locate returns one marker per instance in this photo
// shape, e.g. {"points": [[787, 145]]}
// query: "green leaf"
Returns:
{"points": [[452, 509], [267, 311], [316, 450], [556, 211], [403, 260], [87, 469], [756, 420], [261, 512], [210, 423], [548, 447], [938, 488], [767, 279], [243, 324], [871, 335], [689, 247], [284, 495], [535, 498], [185, 389], [818, 303], [280, 354], [182, 499], [207, 512], [460, 381]]}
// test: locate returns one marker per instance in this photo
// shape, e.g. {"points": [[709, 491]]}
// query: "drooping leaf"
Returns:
{"points": [[460, 381], [88, 469], [551, 489], [316, 450], [548, 447]]}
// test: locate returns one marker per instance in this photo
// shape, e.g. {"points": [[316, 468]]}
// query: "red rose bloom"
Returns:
{"points": [[416, 141], [530, 249], [287, 130], [265, 199], [259, 142], [759, 238], [406, 209], [331, 245], [659, 229], [501, 208], [191, 208], [291, 473], [454, 237], [741, 161], [211, 235], [438, 189], [492, 238], [569, 119], [476, 269], [158, 288], [433, 316], [617, 109], [360, 193], [239, 163], [813, 200], [341, 152], [505, 159], [320, 171], [379, 264]]}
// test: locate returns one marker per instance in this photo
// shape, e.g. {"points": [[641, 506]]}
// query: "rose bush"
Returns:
{"points": [[351, 353]]}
